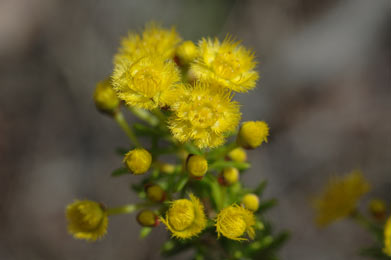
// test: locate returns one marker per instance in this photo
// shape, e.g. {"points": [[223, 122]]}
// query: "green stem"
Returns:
{"points": [[159, 114], [119, 118], [145, 115], [126, 209]]}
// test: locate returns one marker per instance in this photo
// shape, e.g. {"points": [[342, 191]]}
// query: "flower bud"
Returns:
{"points": [[251, 202], [105, 97], [238, 155], [187, 52], [229, 176], [196, 166], [87, 220], [155, 193], [167, 168], [378, 208], [147, 218], [252, 134], [138, 160]]}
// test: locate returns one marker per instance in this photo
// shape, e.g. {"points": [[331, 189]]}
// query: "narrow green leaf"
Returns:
{"points": [[190, 148], [266, 205], [181, 183], [145, 231], [119, 172], [219, 165], [260, 188]]}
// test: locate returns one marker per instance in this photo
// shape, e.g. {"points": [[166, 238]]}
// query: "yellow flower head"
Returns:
{"points": [[378, 208], [233, 221], [167, 168], [147, 82], [238, 155], [227, 64], [187, 52], [147, 218], [251, 201], [387, 237], [138, 161], [105, 97], [204, 115], [252, 134], [185, 218], [196, 166], [87, 220], [155, 40], [340, 197], [155, 193], [229, 176]]}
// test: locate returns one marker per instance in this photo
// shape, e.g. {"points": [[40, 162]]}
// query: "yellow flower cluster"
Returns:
{"points": [[186, 218], [340, 197], [146, 75]]}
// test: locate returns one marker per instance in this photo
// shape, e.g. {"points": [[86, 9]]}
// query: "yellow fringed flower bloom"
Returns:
{"points": [[251, 201], [155, 40], [387, 237], [138, 160], [340, 197], [148, 82], [197, 166], [185, 218], [238, 155], [252, 134], [87, 220], [204, 115], [187, 52], [227, 64], [234, 221]]}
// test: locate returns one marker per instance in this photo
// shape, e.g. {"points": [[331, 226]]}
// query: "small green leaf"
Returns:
{"points": [[119, 172], [190, 148], [264, 206], [219, 165], [144, 232], [121, 151], [181, 183], [261, 187]]}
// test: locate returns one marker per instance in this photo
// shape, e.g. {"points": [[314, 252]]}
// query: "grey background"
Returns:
{"points": [[324, 89]]}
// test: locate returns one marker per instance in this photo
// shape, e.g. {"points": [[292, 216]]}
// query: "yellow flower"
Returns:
{"points": [[340, 197], [229, 176], [203, 115], [252, 134], [105, 98], [238, 155], [138, 161], [185, 218], [233, 221], [167, 168], [147, 218], [387, 237], [378, 208], [147, 82], [227, 64], [187, 52], [155, 40], [87, 220], [196, 166], [251, 202], [155, 193]]}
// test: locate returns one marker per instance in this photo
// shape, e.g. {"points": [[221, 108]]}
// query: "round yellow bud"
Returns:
{"points": [[167, 168], [251, 202], [378, 208], [187, 52], [229, 176], [138, 160], [196, 166], [105, 98], [238, 155], [87, 220], [233, 221], [155, 193], [147, 218], [252, 134]]}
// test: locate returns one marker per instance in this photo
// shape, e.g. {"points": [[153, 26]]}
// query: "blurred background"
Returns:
{"points": [[324, 89]]}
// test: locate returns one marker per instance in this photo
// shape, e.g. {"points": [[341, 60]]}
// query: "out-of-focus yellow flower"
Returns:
{"points": [[155, 193], [226, 64], [155, 40], [185, 218], [387, 237], [238, 155], [233, 221], [138, 161], [378, 208], [229, 176], [105, 98], [340, 197], [187, 52], [147, 218], [148, 82], [196, 166], [167, 168], [252, 134], [87, 220], [204, 115], [251, 201]]}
